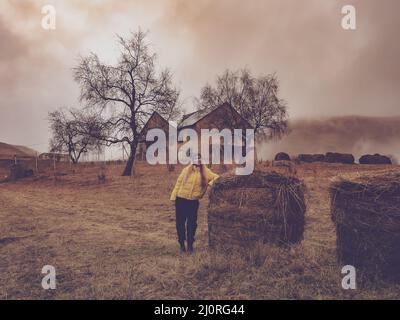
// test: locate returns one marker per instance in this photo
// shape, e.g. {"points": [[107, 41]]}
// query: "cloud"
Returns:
{"points": [[34, 72], [323, 69]]}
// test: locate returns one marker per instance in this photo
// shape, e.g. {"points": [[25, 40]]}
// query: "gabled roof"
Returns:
{"points": [[8, 151], [154, 114], [194, 117], [185, 116]]}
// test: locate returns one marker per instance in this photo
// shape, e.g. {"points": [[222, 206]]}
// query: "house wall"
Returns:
{"points": [[221, 118], [155, 122]]}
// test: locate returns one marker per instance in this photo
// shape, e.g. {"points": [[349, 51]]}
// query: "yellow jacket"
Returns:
{"points": [[188, 185]]}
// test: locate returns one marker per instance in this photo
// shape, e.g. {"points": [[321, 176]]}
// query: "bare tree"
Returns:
{"points": [[73, 131], [256, 99], [127, 93]]}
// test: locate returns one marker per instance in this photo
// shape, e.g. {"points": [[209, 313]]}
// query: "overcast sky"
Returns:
{"points": [[323, 69]]}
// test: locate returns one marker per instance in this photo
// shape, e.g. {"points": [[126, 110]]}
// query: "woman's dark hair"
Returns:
{"points": [[202, 170]]}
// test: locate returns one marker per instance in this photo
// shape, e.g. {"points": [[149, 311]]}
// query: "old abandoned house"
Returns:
{"points": [[220, 118], [58, 157], [156, 121]]}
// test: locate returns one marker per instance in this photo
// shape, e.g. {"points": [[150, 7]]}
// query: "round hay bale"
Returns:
{"points": [[367, 217], [262, 207], [282, 156], [310, 158], [374, 159], [334, 157]]}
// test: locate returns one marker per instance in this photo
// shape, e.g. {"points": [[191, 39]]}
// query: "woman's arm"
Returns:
{"points": [[211, 176]]}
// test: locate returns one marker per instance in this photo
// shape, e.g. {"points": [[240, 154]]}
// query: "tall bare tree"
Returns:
{"points": [[127, 93], [256, 99], [74, 132]]}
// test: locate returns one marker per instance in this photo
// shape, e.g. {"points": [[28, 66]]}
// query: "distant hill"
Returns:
{"points": [[8, 151], [351, 134]]}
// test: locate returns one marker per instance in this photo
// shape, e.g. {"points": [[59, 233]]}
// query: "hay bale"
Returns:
{"points": [[282, 156], [374, 159], [334, 157], [367, 217], [262, 207], [310, 158]]}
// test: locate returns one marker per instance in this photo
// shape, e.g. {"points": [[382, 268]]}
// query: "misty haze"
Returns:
{"points": [[349, 134]]}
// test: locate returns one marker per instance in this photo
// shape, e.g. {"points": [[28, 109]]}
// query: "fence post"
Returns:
{"points": [[36, 163]]}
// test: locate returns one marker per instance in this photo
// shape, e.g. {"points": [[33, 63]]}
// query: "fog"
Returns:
{"points": [[355, 135]]}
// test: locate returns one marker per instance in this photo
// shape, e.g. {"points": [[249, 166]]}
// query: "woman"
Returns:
{"points": [[189, 189]]}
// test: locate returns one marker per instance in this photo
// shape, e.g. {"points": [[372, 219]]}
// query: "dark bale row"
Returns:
{"points": [[330, 157], [310, 158], [262, 207], [375, 159], [282, 156], [344, 158], [334, 157], [367, 217]]}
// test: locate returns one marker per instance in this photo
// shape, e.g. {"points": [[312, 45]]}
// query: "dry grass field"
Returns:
{"points": [[117, 241]]}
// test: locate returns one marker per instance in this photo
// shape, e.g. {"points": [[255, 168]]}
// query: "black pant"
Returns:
{"points": [[186, 219]]}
